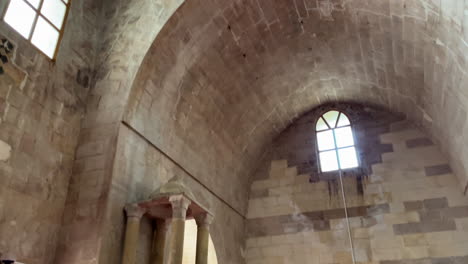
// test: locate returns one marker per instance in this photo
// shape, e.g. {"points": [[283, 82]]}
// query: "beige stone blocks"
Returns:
{"points": [[415, 157], [415, 240], [447, 250], [381, 254], [400, 182], [400, 218], [401, 136], [297, 248], [415, 252]]}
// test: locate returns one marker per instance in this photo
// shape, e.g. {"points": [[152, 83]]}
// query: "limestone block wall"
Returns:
{"points": [[140, 169], [41, 105], [126, 30], [226, 77], [412, 210]]}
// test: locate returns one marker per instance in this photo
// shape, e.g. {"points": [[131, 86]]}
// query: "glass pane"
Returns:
{"points": [[328, 161], [54, 10], [34, 3], [348, 158], [325, 140], [331, 117], [344, 121], [344, 137], [20, 16], [45, 37], [321, 125]]}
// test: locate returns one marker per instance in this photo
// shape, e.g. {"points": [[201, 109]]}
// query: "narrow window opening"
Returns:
{"points": [[335, 142], [41, 22]]}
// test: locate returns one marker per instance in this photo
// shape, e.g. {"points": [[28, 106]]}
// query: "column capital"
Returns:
{"points": [[134, 211], [204, 220], [180, 205]]}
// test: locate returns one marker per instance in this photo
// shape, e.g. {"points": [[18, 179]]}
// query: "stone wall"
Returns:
{"points": [[127, 29], [41, 106], [296, 145], [222, 80], [139, 170], [411, 209], [225, 77]]}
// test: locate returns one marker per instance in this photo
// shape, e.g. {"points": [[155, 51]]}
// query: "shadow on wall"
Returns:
{"points": [[190, 243]]}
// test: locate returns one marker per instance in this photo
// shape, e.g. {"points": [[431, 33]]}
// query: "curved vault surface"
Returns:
{"points": [[224, 77]]}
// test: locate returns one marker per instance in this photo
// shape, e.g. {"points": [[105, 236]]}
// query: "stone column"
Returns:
{"points": [[134, 214], [180, 205], [203, 236], [159, 241]]}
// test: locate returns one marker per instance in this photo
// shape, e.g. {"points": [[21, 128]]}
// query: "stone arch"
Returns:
{"points": [[297, 213], [245, 70]]}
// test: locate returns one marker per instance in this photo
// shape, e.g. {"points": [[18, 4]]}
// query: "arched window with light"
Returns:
{"points": [[335, 142], [41, 22]]}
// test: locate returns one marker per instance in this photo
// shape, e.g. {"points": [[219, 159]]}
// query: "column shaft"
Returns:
{"points": [[203, 235], [132, 231], [131, 240], [177, 241], [180, 205], [159, 241]]}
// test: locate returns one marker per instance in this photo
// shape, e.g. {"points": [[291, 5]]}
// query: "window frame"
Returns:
{"points": [[37, 10], [336, 148]]}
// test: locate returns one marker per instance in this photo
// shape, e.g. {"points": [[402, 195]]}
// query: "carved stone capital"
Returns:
{"points": [[180, 205], [134, 211], [204, 220]]}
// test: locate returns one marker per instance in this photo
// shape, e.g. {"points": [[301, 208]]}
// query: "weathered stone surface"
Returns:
{"points": [[41, 105], [438, 170], [221, 80], [401, 217], [5, 151], [419, 142], [305, 221], [271, 61], [140, 170]]}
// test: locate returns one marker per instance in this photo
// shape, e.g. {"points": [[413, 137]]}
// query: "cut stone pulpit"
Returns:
{"points": [[171, 205]]}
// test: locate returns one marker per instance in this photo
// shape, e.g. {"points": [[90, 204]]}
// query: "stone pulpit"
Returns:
{"points": [[171, 205]]}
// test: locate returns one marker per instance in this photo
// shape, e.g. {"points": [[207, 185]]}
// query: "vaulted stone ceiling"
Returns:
{"points": [[225, 77]]}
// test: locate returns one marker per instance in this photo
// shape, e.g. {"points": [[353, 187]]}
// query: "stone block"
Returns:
{"points": [[413, 205], [419, 142], [455, 212], [415, 240], [409, 228], [435, 203], [415, 252], [428, 216], [447, 250], [437, 170]]}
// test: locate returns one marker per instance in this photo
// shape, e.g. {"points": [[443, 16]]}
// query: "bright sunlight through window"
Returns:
{"points": [[39, 21], [335, 142], [190, 245]]}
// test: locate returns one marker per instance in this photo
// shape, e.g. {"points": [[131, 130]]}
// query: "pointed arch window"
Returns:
{"points": [[335, 142]]}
